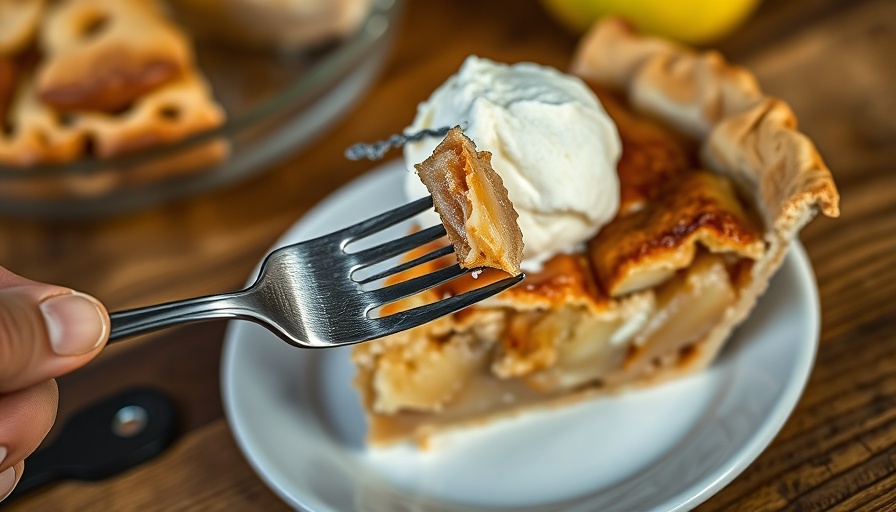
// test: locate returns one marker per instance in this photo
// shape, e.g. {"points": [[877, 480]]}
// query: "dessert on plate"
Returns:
{"points": [[658, 190]]}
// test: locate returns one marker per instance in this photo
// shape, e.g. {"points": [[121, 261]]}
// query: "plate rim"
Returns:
{"points": [[687, 499], [787, 401]]}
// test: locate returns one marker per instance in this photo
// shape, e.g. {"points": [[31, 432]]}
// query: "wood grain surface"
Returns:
{"points": [[834, 61]]}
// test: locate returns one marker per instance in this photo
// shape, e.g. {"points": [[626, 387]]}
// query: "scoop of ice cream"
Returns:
{"points": [[551, 141]]}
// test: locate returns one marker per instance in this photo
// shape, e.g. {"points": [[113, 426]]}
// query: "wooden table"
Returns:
{"points": [[834, 61]]}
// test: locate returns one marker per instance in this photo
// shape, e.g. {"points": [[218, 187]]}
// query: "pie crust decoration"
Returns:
{"points": [[103, 79], [716, 182], [102, 55]]}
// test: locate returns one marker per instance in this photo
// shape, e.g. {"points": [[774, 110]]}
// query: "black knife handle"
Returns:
{"points": [[104, 439]]}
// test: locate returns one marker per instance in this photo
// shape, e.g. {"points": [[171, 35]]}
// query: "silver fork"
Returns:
{"points": [[305, 293]]}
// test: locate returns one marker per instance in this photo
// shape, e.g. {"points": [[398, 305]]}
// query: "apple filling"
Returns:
{"points": [[497, 360]]}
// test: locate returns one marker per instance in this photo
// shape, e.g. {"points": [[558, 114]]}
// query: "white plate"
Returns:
{"points": [[298, 420]]}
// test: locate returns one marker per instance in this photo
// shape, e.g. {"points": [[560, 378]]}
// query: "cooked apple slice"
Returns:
{"points": [[471, 199]]}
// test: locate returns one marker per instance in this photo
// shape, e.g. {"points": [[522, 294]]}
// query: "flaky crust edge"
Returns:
{"points": [[744, 134]]}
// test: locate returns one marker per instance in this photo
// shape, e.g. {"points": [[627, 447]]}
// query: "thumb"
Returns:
{"points": [[46, 331]]}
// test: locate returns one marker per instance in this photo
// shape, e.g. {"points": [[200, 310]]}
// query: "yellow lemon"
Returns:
{"points": [[691, 21]]}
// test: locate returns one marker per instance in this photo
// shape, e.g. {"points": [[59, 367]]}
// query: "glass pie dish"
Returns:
{"points": [[275, 103]]}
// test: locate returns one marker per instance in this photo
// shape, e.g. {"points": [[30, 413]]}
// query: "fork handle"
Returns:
{"points": [[132, 322]]}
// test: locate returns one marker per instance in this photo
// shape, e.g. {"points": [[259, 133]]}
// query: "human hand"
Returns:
{"points": [[45, 331]]}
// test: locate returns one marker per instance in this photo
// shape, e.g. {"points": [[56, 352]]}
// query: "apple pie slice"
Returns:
{"points": [[715, 182]]}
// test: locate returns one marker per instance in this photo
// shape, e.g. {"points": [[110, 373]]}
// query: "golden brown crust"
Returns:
{"points": [[692, 91], [564, 279], [104, 54], [171, 113], [40, 135], [612, 52], [108, 55], [122, 57], [763, 150], [35, 134], [717, 103], [645, 248], [651, 154]]}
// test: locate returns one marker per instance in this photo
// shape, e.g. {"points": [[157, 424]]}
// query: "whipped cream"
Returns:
{"points": [[551, 142]]}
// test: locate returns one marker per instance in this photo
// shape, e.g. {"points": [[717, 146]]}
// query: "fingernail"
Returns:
{"points": [[74, 323], [7, 478]]}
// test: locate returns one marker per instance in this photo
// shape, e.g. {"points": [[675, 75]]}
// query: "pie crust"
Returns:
{"points": [[100, 79], [716, 181]]}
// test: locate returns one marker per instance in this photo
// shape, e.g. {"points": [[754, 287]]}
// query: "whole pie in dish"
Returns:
{"points": [[714, 182]]}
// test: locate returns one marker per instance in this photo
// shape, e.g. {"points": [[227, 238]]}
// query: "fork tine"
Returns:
{"points": [[385, 220], [418, 284], [402, 245], [438, 253], [420, 315]]}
